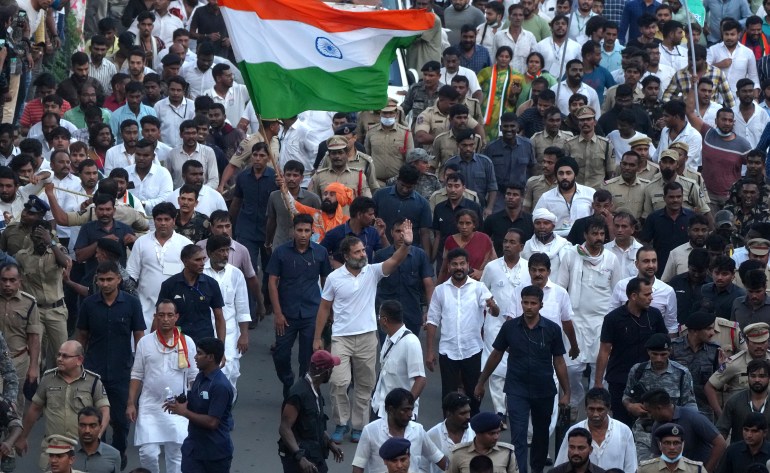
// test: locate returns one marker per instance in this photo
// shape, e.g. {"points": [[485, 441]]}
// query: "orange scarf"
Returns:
{"points": [[180, 343], [765, 46], [492, 93]]}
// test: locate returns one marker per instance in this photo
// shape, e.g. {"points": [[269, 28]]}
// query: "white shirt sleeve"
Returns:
{"points": [[242, 312], [434, 310], [364, 448]]}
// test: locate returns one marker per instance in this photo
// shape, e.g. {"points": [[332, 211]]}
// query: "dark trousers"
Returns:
{"points": [[619, 411], [117, 393], [519, 411], [257, 253], [452, 370], [290, 465], [191, 465], [304, 329]]}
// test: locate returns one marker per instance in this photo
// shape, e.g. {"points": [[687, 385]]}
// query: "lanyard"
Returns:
{"points": [[392, 344], [184, 114], [762, 409]]}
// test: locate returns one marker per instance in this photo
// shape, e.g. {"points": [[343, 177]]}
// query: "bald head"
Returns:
{"points": [[72, 347]]}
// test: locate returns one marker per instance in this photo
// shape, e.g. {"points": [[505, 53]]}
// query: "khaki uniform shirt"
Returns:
{"points": [[625, 196], [369, 118], [542, 140], [694, 197], [649, 172], [502, 456], [474, 108], [445, 146], [14, 238], [20, 318], [440, 196], [388, 149], [123, 213], [348, 177], [609, 97], [595, 156], [698, 178], [731, 376], [536, 186], [727, 334], [657, 465], [435, 122], [42, 275], [61, 401], [359, 162]]}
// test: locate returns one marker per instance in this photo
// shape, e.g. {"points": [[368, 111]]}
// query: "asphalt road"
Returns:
{"points": [[257, 414]]}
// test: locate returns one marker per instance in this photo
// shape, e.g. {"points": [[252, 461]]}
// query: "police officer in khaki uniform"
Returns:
{"points": [[501, 454], [594, 154], [370, 118], [436, 119], [387, 144], [339, 170], [694, 197], [731, 376], [16, 234], [647, 168], [61, 453], [357, 160], [445, 144], [683, 170], [20, 325], [242, 156], [62, 392], [43, 264], [536, 186], [670, 438], [628, 188], [552, 135]]}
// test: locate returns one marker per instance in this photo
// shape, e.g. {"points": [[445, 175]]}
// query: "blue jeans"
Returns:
{"points": [[304, 329], [519, 409]]}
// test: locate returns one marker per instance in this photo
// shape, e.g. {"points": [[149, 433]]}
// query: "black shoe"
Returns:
{"points": [[123, 461], [548, 461]]}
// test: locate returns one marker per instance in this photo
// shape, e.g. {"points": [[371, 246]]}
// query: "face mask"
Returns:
{"points": [[388, 121], [670, 460], [719, 132]]}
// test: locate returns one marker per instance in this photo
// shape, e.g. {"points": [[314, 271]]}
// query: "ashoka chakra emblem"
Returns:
{"points": [[327, 48]]}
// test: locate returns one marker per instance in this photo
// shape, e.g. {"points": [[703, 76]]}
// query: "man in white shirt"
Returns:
{"points": [[165, 23], [150, 128], [573, 84], [521, 41], [545, 240], [750, 118], [451, 68], [558, 49], [149, 180], [350, 290], [64, 179], [663, 296], [173, 110], [485, 32], [624, 246], [578, 20], [236, 309], [504, 277], [209, 200], [401, 359], [191, 149], [455, 428], [679, 129], [155, 257], [122, 155], [569, 200], [198, 74], [235, 97], [457, 307], [164, 359], [672, 53], [613, 442], [736, 60], [589, 273], [295, 145]]}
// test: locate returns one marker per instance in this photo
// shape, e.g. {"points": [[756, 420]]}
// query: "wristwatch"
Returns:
{"points": [[299, 455]]}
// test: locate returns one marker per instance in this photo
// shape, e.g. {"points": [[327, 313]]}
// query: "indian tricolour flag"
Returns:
{"points": [[298, 55]]}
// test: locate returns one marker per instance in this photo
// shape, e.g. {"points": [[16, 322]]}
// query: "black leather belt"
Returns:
{"points": [[56, 304]]}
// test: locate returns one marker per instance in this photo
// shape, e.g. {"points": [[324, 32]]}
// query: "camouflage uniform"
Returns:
{"points": [[418, 99], [8, 372], [743, 220], [702, 364], [764, 192], [676, 381], [196, 229]]}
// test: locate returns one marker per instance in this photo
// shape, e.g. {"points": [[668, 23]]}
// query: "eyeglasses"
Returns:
{"points": [[66, 356]]}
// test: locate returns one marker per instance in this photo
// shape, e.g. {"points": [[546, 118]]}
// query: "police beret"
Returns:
{"points": [[658, 341], [669, 430], [36, 205], [110, 246], [394, 447], [700, 320], [346, 129], [485, 421]]}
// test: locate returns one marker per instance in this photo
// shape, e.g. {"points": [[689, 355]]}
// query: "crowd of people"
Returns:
{"points": [[589, 172]]}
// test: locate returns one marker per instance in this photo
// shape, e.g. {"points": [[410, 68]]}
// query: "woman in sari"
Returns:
{"points": [[501, 86], [477, 244], [535, 64]]}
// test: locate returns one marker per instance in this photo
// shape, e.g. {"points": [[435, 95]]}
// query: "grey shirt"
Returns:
{"points": [[745, 315], [479, 174], [106, 459], [277, 211]]}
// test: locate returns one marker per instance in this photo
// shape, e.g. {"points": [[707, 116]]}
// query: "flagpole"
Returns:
{"points": [[692, 54]]}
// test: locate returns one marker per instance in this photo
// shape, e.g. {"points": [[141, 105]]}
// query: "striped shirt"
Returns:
{"points": [[103, 74], [34, 110], [680, 85]]}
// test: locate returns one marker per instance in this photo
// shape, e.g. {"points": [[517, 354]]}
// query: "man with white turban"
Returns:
{"points": [[545, 240]]}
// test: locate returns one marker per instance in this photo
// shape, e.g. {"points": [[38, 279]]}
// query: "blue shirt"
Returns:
{"points": [[298, 273], [665, 233], [368, 235], [512, 162], [194, 303], [600, 79], [634, 10], [479, 173], [612, 60], [392, 206], [718, 10], [92, 231], [405, 284], [478, 61], [254, 194], [530, 356], [125, 113], [211, 395], [110, 329]]}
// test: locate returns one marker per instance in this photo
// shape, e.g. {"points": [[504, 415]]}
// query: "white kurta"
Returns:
{"points": [[150, 264], [590, 289], [158, 368], [236, 310], [505, 284]]}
